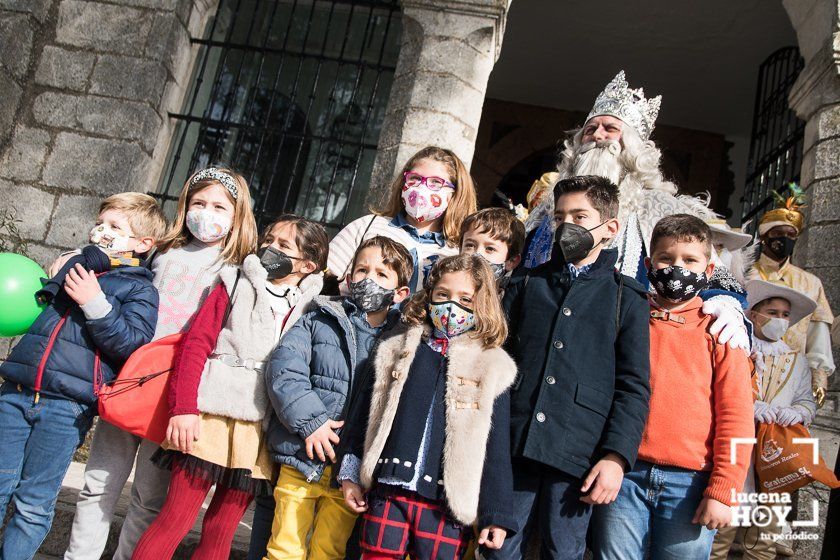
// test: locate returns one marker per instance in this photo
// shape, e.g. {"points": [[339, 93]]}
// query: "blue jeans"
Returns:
{"points": [[261, 526], [651, 518], [547, 498], [37, 442]]}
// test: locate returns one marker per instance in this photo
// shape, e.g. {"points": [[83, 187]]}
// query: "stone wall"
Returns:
{"points": [[86, 86], [816, 99]]}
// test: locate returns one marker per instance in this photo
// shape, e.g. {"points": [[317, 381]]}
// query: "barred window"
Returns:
{"points": [[777, 134], [292, 94]]}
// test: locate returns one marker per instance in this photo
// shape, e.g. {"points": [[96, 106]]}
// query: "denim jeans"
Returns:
{"points": [[261, 526], [549, 499], [651, 518], [37, 442]]}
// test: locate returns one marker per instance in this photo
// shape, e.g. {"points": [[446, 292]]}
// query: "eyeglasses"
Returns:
{"points": [[413, 179]]}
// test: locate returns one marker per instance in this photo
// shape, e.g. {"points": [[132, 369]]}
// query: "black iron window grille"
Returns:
{"points": [[292, 94], [777, 134]]}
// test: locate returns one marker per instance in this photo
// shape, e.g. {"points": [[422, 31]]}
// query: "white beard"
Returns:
{"points": [[601, 159]]}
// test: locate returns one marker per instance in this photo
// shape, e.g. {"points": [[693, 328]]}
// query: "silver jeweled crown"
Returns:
{"points": [[225, 179], [629, 105]]}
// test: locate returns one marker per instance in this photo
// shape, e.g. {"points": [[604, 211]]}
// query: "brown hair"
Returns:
{"points": [[394, 256], [766, 301], [490, 324], [601, 193], [310, 237], [500, 224], [240, 242], [143, 213], [463, 203], [682, 227]]}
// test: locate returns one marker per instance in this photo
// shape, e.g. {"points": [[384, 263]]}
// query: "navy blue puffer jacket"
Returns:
{"points": [[56, 357], [309, 379]]}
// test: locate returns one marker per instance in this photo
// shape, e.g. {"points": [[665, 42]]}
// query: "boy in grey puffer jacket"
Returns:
{"points": [[310, 380]]}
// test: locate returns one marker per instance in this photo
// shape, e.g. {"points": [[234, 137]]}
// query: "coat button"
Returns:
{"points": [[550, 380], [558, 344], [566, 311], [540, 417]]}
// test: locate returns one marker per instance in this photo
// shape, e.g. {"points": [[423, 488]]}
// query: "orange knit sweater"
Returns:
{"points": [[701, 397]]}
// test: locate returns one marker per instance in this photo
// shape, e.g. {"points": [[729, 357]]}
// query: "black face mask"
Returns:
{"points": [[780, 247], [276, 262], [575, 241], [676, 283]]}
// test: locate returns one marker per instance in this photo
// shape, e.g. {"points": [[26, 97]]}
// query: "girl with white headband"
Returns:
{"points": [[214, 230]]}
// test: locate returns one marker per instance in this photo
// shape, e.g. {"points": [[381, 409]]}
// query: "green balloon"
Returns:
{"points": [[20, 278]]}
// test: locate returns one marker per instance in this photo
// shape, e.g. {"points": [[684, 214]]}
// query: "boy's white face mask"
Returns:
{"points": [[773, 328], [110, 241]]}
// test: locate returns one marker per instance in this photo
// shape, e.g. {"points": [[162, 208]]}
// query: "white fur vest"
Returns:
{"points": [[475, 376], [238, 392]]}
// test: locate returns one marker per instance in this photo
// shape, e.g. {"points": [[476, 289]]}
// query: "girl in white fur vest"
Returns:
{"points": [[435, 457], [218, 401]]}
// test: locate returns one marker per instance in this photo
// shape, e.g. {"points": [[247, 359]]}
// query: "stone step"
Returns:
{"points": [[56, 542]]}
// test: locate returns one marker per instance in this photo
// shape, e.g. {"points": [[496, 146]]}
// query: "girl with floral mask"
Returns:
{"points": [[436, 431], [429, 199], [213, 231]]}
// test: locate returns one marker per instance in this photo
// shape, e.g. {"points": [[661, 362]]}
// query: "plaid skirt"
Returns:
{"points": [[399, 522]]}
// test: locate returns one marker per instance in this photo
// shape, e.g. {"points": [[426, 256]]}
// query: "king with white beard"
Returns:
{"points": [[615, 143]]}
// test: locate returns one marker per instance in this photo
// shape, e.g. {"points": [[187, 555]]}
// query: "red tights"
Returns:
{"points": [[183, 502]]}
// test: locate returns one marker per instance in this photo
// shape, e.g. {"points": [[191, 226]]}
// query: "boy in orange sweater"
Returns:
{"points": [[679, 492]]}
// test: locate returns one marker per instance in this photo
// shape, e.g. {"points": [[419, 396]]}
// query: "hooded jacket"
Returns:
{"points": [[58, 356]]}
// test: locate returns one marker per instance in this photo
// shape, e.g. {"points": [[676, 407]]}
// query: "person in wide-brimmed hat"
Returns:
{"points": [[778, 231], [782, 392], [733, 248]]}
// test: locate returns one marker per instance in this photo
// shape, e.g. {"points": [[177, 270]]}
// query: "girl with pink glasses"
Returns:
{"points": [[430, 198]]}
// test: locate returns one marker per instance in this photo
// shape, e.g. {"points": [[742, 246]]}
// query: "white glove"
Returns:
{"points": [[763, 412], [729, 322], [787, 415]]}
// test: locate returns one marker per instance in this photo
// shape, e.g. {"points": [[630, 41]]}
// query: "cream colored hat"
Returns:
{"points": [[731, 238], [800, 305]]}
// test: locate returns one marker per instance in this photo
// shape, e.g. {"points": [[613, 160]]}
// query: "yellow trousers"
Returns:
{"points": [[305, 508]]}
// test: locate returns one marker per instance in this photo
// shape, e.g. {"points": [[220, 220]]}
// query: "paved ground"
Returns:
{"points": [[56, 542]]}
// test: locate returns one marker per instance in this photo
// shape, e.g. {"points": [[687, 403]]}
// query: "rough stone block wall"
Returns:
{"points": [[86, 87]]}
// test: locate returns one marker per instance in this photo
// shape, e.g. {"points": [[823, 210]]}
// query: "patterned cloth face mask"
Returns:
{"points": [[208, 226], [109, 240], [370, 296], [498, 269], [676, 283], [451, 318], [423, 197]]}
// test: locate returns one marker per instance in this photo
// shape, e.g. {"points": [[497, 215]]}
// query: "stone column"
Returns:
{"points": [[448, 49], [815, 98]]}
